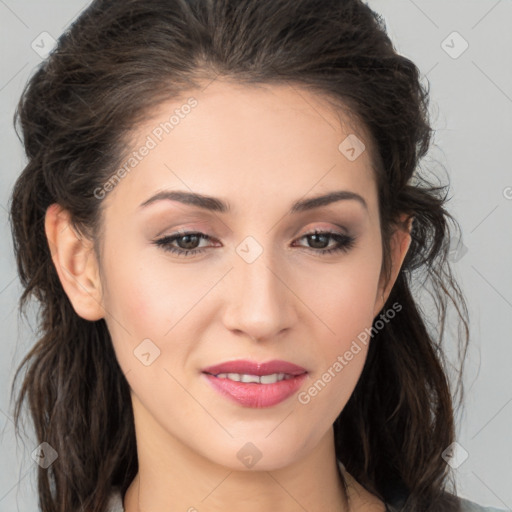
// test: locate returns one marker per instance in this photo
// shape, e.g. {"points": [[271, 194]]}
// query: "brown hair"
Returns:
{"points": [[116, 63]]}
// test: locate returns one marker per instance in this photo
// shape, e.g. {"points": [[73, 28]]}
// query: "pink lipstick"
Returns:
{"points": [[253, 384]]}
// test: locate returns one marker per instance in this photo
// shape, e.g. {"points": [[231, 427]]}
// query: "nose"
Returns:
{"points": [[257, 300]]}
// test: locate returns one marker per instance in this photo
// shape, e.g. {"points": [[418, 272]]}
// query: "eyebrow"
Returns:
{"points": [[217, 205]]}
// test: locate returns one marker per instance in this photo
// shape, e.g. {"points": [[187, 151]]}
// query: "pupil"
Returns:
{"points": [[186, 240], [315, 239]]}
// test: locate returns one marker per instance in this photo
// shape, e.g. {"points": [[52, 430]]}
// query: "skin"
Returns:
{"points": [[260, 149]]}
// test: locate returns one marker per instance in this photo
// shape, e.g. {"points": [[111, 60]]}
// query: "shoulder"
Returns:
{"points": [[115, 503], [470, 506], [363, 500]]}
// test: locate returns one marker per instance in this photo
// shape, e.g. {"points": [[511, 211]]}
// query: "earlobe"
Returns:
{"points": [[75, 263], [399, 246]]}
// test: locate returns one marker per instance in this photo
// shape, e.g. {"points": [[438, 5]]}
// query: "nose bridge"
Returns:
{"points": [[257, 301]]}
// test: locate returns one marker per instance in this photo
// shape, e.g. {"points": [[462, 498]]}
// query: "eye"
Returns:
{"points": [[320, 241], [188, 243]]}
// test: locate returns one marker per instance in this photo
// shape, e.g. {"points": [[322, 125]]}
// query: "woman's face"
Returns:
{"points": [[257, 285]]}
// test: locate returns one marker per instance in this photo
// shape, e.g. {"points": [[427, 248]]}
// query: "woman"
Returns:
{"points": [[221, 219]]}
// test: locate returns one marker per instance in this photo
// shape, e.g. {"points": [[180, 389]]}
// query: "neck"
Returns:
{"points": [[174, 477]]}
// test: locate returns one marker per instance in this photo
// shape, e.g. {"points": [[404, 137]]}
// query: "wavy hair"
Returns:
{"points": [[113, 67]]}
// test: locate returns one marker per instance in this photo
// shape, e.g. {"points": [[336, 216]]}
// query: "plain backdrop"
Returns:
{"points": [[464, 49]]}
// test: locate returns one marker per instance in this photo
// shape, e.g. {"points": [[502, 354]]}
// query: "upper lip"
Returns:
{"points": [[254, 368]]}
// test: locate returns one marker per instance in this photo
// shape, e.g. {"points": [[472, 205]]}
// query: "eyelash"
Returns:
{"points": [[345, 242]]}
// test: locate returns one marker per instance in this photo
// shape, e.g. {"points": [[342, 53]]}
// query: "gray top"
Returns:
{"points": [[469, 506], [115, 503]]}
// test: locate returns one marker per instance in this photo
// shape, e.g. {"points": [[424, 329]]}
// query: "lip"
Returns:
{"points": [[255, 368], [251, 394]]}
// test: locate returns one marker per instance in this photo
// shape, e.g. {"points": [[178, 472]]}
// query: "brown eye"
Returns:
{"points": [[319, 241], [187, 243], [184, 244]]}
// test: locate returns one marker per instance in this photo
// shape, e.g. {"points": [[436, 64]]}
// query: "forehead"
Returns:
{"points": [[255, 141]]}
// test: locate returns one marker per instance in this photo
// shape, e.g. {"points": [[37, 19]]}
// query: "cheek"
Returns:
{"points": [[349, 317], [344, 302], [341, 354], [150, 301], [344, 298], [147, 296], [133, 303]]}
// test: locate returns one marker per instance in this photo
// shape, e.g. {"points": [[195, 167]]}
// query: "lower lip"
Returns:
{"points": [[252, 394]]}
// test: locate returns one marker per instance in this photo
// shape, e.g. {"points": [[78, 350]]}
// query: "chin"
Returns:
{"points": [[256, 455]]}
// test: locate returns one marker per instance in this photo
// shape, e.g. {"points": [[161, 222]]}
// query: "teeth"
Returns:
{"points": [[243, 377], [270, 379], [264, 379]]}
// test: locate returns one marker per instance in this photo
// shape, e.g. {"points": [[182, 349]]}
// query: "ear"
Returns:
{"points": [[75, 262], [399, 245]]}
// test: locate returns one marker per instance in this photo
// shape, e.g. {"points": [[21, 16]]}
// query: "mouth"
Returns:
{"points": [[256, 379], [256, 385]]}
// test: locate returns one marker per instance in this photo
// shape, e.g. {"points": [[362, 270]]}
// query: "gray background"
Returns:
{"points": [[471, 106]]}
